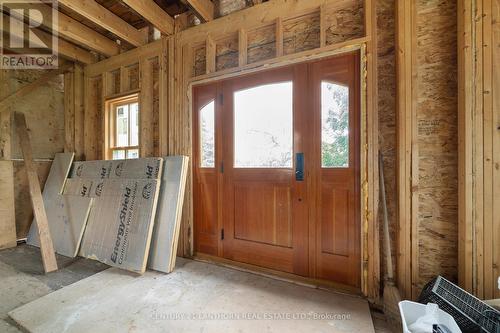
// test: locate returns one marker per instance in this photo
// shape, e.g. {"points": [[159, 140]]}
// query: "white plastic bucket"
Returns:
{"points": [[411, 311]]}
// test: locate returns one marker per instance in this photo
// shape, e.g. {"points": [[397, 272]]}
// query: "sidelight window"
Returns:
{"points": [[334, 125]]}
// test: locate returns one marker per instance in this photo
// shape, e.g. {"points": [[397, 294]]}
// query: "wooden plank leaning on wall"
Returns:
{"points": [[46, 246]]}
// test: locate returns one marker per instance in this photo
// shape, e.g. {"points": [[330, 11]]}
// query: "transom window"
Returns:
{"points": [[123, 128]]}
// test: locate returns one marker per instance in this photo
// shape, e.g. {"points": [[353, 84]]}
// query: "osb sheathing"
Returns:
{"points": [[386, 63], [44, 111], [226, 52], [261, 44], [436, 112], [345, 23], [301, 33]]}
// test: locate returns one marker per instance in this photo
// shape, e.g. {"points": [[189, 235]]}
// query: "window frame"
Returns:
{"points": [[111, 123]]}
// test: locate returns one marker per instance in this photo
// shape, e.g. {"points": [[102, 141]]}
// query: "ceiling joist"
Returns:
{"points": [[106, 19], [203, 8], [65, 49], [153, 13], [75, 31]]}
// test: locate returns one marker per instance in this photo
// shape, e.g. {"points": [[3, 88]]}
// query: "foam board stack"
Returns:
{"points": [[108, 210]]}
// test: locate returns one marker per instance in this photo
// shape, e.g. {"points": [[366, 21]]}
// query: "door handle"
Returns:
{"points": [[299, 167]]}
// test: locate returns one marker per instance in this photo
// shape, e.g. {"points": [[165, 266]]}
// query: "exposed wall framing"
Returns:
{"points": [[427, 142], [44, 111], [479, 146]]}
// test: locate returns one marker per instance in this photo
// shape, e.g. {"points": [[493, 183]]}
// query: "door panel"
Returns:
{"points": [[282, 189], [206, 179], [335, 88], [266, 222], [335, 220], [268, 219]]}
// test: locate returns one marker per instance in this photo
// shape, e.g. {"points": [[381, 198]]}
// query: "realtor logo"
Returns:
{"points": [[28, 34]]}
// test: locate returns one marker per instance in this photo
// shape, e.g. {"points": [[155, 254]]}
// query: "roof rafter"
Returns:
{"points": [[93, 11], [65, 49], [76, 32], [203, 8], [153, 13]]}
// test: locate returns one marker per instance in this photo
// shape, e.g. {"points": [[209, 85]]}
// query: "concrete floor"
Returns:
{"points": [[144, 303], [22, 279]]}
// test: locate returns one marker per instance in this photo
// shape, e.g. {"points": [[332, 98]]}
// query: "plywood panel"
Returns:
{"points": [[301, 33], [262, 43], [7, 214], [344, 23], [44, 112], [226, 53], [199, 61], [436, 116], [386, 87]]}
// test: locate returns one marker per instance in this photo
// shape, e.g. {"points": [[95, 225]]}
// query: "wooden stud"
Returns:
{"points": [[98, 14], [69, 112], [489, 282], [371, 230], [146, 141], [211, 57], [46, 246], [404, 121], [124, 79], [322, 25], [78, 87], [279, 37], [243, 47], [154, 14]]}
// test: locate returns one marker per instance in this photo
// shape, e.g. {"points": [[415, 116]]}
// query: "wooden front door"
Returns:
{"points": [[276, 169]]}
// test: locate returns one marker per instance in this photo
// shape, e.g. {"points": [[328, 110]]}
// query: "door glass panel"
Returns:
{"points": [[122, 126], [334, 125], [207, 135], [134, 124], [263, 126]]}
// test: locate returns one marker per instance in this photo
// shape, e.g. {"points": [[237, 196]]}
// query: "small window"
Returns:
{"points": [[263, 126], [207, 135], [123, 131], [334, 125]]}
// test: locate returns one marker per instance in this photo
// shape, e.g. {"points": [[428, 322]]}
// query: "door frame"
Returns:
{"points": [[368, 156]]}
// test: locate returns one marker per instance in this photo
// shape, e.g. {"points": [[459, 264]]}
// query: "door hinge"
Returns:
{"points": [[221, 167], [221, 99], [222, 234]]}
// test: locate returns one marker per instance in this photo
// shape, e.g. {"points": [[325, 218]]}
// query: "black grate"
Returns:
{"points": [[470, 313]]}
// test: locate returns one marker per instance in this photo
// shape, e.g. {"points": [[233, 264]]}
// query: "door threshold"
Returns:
{"points": [[279, 275]]}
